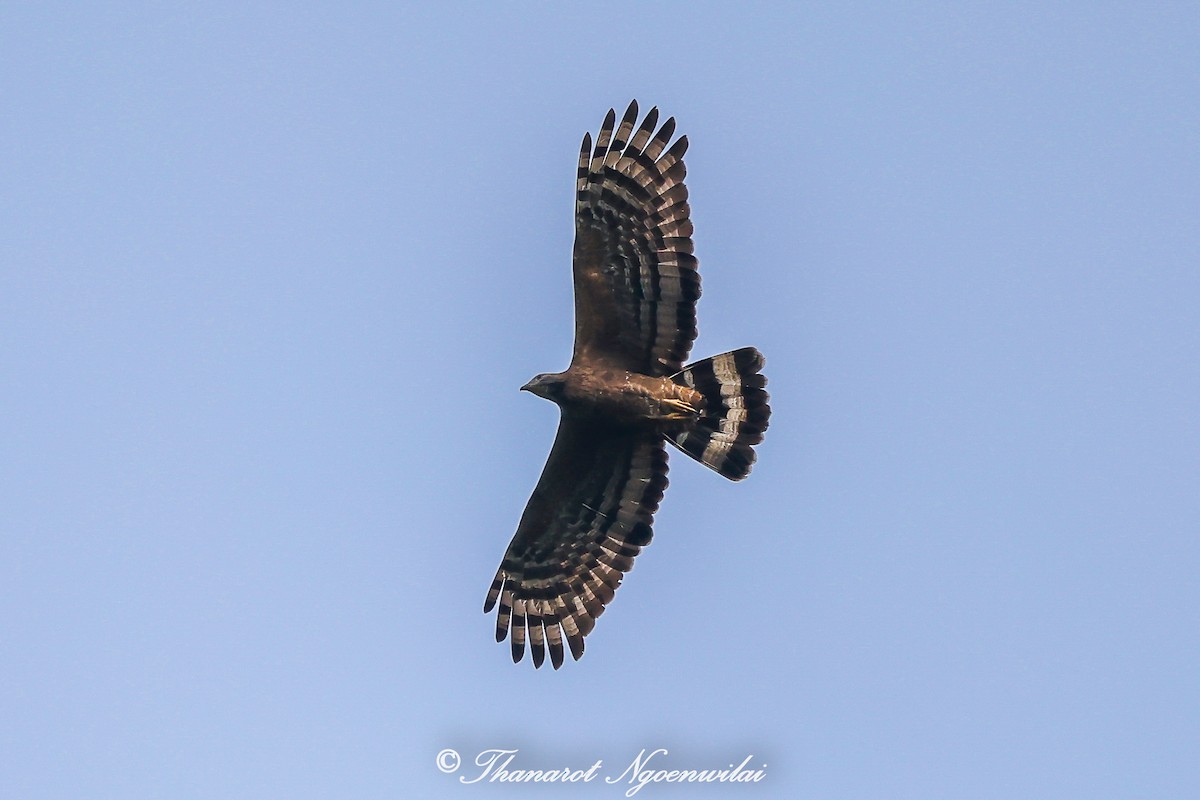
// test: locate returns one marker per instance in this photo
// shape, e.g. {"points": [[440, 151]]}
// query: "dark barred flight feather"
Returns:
{"points": [[624, 395]]}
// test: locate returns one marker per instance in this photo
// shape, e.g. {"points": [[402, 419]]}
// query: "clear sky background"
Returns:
{"points": [[271, 275]]}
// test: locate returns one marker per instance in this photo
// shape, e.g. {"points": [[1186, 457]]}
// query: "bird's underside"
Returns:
{"points": [[625, 394], [630, 398]]}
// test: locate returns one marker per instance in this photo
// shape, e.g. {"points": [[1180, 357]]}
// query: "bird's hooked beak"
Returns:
{"points": [[541, 385], [535, 386]]}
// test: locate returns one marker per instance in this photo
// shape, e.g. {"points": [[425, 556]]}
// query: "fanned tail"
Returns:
{"points": [[735, 413]]}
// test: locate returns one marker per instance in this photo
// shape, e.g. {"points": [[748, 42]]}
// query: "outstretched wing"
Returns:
{"points": [[589, 516], [636, 283]]}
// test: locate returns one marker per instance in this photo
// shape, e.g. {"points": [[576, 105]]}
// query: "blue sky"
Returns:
{"points": [[271, 275]]}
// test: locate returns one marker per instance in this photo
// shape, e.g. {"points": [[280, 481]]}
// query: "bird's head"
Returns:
{"points": [[547, 385]]}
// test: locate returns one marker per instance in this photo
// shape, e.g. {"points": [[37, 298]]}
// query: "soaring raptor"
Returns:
{"points": [[625, 394]]}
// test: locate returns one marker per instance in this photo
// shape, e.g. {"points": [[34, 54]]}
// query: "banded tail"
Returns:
{"points": [[735, 413]]}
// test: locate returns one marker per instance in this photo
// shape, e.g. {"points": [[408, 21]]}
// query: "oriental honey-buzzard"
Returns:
{"points": [[625, 394]]}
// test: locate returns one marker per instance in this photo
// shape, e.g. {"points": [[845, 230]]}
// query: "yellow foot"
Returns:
{"points": [[678, 409]]}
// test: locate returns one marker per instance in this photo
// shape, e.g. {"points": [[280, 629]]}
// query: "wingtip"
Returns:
{"points": [[493, 594], [676, 153], [576, 645]]}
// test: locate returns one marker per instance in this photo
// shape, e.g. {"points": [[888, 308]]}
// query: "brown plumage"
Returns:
{"points": [[624, 395]]}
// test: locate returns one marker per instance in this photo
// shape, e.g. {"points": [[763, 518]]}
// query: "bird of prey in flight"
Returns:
{"points": [[625, 395]]}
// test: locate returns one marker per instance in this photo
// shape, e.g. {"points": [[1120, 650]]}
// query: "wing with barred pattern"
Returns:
{"points": [[636, 283], [589, 516]]}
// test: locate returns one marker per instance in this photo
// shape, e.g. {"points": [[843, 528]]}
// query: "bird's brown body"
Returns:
{"points": [[623, 396]]}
